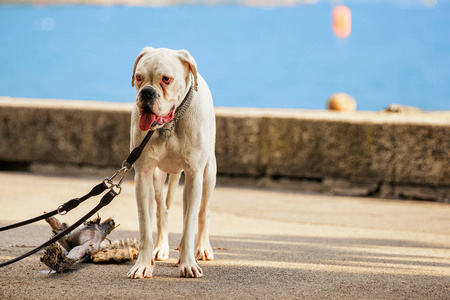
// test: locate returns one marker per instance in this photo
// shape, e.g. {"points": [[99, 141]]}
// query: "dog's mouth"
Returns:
{"points": [[148, 119]]}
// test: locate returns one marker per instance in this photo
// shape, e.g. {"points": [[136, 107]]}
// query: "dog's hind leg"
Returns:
{"points": [[174, 179], [192, 194], [203, 250], [161, 251]]}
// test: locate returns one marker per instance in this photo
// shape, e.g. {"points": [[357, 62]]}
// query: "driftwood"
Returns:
{"points": [[85, 244], [117, 251]]}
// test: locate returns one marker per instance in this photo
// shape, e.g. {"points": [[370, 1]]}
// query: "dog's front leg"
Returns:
{"points": [[162, 249], [191, 203], [203, 250], [145, 194]]}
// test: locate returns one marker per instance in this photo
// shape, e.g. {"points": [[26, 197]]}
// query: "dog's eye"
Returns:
{"points": [[166, 80], [138, 78]]}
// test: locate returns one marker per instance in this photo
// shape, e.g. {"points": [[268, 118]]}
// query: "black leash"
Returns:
{"points": [[62, 209], [106, 199], [127, 165]]}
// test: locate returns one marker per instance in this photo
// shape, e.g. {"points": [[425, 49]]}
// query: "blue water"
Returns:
{"points": [[251, 57]]}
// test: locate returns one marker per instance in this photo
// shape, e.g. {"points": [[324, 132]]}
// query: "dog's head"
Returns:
{"points": [[162, 79]]}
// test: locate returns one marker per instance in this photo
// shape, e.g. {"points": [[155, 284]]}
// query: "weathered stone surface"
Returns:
{"points": [[421, 154], [318, 148], [411, 192], [238, 143], [349, 188], [72, 132], [337, 152]]}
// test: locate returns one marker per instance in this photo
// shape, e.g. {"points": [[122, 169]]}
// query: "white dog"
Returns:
{"points": [[175, 101]]}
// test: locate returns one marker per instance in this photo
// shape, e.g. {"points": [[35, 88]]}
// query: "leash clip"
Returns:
{"points": [[167, 132], [61, 211], [122, 172]]}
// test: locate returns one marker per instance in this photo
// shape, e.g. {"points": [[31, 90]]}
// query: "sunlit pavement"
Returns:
{"points": [[269, 245]]}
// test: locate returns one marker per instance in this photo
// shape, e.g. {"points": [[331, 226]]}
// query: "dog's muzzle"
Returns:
{"points": [[148, 96], [148, 119]]}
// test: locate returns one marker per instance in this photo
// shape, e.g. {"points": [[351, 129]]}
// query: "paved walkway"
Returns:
{"points": [[278, 245]]}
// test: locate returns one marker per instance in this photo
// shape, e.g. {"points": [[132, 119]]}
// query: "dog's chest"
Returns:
{"points": [[167, 154]]}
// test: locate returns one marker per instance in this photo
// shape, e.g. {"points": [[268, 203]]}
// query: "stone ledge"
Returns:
{"points": [[403, 155]]}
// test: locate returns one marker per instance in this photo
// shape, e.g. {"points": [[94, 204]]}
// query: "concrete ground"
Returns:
{"points": [[269, 245]]}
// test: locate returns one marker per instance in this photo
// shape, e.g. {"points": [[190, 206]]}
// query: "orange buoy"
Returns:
{"points": [[342, 21]]}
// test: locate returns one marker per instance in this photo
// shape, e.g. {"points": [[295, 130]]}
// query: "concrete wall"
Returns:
{"points": [[362, 153]]}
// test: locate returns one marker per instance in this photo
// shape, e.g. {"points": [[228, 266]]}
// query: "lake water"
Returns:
{"points": [[251, 57]]}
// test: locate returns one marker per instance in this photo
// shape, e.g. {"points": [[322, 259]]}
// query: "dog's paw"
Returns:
{"points": [[161, 252], [190, 268], [141, 270], [204, 252]]}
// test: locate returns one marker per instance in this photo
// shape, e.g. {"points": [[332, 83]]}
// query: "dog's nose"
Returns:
{"points": [[149, 94]]}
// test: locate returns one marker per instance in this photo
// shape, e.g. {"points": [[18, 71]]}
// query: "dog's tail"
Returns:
{"points": [[174, 179]]}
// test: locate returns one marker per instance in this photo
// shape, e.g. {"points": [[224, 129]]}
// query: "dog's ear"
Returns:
{"points": [[185, 57], [143, 52]]}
